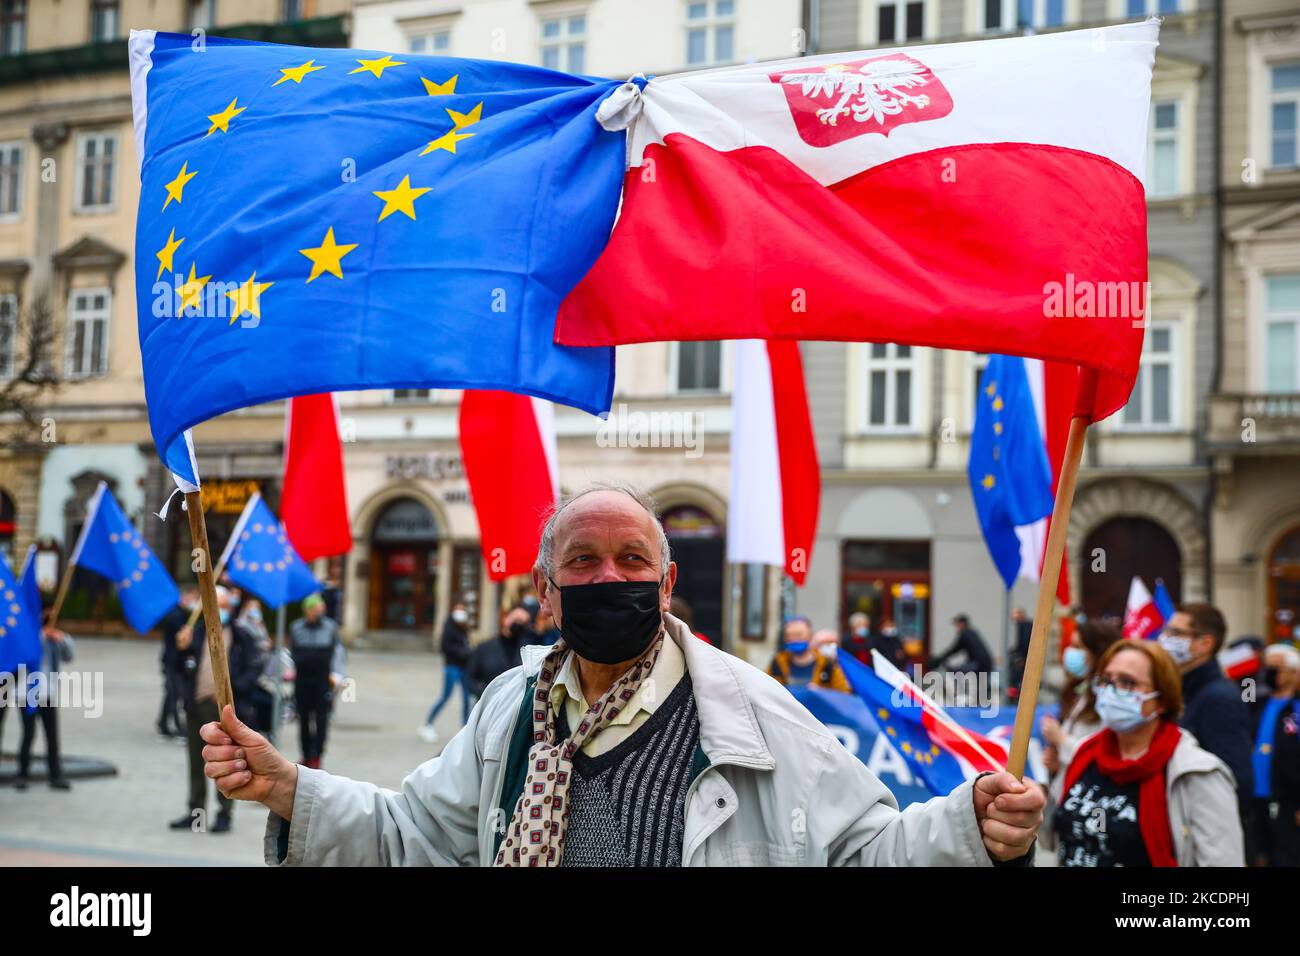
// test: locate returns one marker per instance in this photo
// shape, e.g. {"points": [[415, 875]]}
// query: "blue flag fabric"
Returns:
{"points": [[1164, 603], [318, 220], [264, 562], [1010, 477], [111, 547], [20, 628]]}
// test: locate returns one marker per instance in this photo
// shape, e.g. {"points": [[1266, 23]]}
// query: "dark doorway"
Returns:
{"points": [[404, 567], [1120, 549], [889, 581], [698, 544]]}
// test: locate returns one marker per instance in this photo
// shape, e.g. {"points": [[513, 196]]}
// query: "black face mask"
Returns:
{"points": [[518, 630], [1270, 677], [610, 622]]}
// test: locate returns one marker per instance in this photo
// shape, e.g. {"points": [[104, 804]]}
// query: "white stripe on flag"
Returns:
{"points": [[755, 529], [1033, 537], [544, 412]]}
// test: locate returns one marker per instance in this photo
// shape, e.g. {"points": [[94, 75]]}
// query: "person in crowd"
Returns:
{"points": [[1214, 710], [1022, 629], [1078, 708], [253, 619], [968, 641], [332, 594], [455, 657], [1141, 791], [169, 719], [546, 628], [684, 613], [857, 640], [546, 772], [57, 649], [808, 662], [199, 690], [1277, 761], [891, 646], [319, 666], [493, 658]]}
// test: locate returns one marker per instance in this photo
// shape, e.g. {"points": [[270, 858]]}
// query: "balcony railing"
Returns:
{"points": [[1255, 421]]}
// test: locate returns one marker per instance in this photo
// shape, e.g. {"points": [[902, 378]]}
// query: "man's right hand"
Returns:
{"points": [[245, 766]]}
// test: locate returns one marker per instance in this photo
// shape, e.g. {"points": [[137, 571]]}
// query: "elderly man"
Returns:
{"points": [[626, 743]]}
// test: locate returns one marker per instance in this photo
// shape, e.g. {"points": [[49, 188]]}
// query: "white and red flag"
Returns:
{"points": [[313, 496], [1142, 618], [775, 479], [508, 445], [984, 196]]}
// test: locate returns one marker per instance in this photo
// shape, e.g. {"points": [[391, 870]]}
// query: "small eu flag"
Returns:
{"points": [[322, 220], [110, 546], [1010, 478], [20, 625], [262, 560]]}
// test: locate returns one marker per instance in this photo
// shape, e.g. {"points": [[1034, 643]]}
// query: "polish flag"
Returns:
{"points": [[507, 442], [984, 196], [313, 499], [1141, 618], [775, 479]]}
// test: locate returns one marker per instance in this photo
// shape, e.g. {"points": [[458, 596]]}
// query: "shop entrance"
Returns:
{"points": [[404, 567], [890, 581]]}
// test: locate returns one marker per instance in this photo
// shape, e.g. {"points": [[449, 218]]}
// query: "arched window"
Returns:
{"points": [[1120, 549]]}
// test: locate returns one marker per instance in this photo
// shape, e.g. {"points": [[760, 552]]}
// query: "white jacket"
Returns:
{"points": [[779, 790]]}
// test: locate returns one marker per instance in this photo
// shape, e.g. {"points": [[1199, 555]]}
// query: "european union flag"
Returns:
{"points": [[1010, 478], [20, 627], [320, 220], [263, 561], [110, 546], [1164, 603]]}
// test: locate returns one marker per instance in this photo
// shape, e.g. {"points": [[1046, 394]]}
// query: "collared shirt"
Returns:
{"points": [[663, 677]]}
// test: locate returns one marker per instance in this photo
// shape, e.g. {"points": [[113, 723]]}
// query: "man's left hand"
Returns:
{"points": [[1009, 814]]}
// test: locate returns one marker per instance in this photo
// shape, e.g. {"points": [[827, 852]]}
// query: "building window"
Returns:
{"points": [[411, 394], [1284, 108], [96, 162], [291, 9], [1282, 333], [979, 361], [87, 348], [1003, 15], [11, 180], [433, 42], [754, 602], [1164, 156], [1146, 8], [8, 333], [1152, 403], [13, 26], [564, 43], [899, 20], [891, 384], [710, 32], [699, 367], [202, 14], [103, 20]]}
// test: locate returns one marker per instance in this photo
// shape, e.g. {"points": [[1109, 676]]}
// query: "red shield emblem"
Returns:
{"points": [[837, 102]]}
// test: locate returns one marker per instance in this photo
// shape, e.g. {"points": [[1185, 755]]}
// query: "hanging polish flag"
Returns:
{"points": [[507, 442], [1142, 618], [313, 497], [775, 478]]}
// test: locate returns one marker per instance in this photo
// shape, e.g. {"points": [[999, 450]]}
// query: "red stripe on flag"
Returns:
{"points": [[313, 498], [509, 478], [797, 451]]}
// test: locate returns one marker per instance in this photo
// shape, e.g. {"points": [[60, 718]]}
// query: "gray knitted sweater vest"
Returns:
{"points": [[627, 805]]}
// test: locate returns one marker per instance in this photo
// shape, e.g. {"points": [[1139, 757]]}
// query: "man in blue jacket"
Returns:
{"points": [[1212, 706]]}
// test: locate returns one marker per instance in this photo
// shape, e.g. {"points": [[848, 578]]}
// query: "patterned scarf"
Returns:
{"points": [[535, 835]]}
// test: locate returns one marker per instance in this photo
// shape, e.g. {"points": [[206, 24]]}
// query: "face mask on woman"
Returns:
{"points": [[1075, 662], [1121, 711]]}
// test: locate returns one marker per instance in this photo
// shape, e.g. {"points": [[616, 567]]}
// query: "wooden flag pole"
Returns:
{"points": [[57, 607], [1024, 727], [208, 594]]}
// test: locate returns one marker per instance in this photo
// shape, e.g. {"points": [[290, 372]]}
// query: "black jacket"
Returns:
{"points": [[1215, 713], [172, 622], [455, 643], [978, 657], [490, 660], [246, 663]]}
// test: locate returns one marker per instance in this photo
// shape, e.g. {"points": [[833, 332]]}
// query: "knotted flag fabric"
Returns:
{"points": [[317, 220], [1010, 478], [984, 196], [261, 559], [110, 546]]}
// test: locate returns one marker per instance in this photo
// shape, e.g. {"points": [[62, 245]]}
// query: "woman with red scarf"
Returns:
{"points": [[1141, 792]]}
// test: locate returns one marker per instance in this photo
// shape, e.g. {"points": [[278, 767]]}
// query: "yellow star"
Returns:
{"points": [[177, 185], [997, 428], [988, 482], [440, 89], [166, 253], [248, 298], [221, 121], [466, 119], [991, 389], [328, 256], [378, 66], [997, 404], [447, 141], [296, 73], [402, 199], [191, 292]]}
